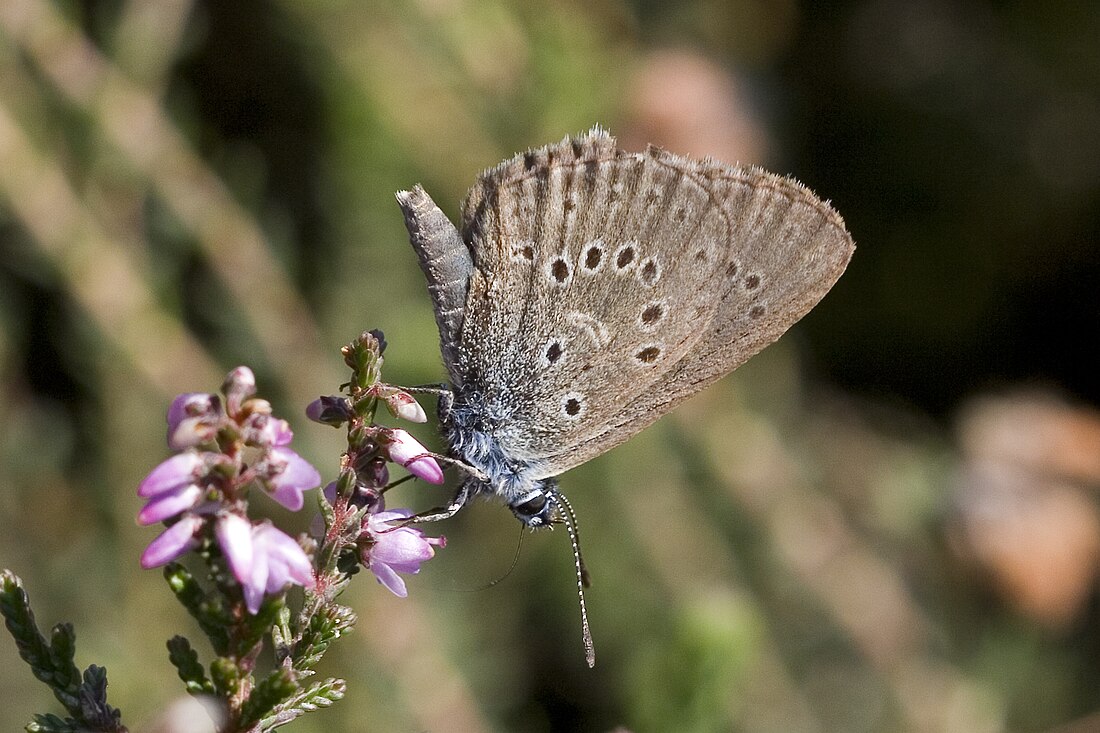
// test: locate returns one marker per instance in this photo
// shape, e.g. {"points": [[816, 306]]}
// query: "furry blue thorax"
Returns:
{"points": [[471, 428]]}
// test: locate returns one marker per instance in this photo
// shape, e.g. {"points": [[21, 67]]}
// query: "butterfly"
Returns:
{"points": [[591, 290]]}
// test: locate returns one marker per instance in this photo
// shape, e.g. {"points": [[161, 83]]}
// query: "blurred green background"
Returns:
{"points": [[885, 522]]}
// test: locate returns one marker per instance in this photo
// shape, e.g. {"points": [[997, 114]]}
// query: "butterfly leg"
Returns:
{"points": [[442, 390], [465, 491], [462, 465]]}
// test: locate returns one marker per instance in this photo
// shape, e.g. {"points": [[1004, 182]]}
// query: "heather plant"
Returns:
{"points": [[236, 573]]}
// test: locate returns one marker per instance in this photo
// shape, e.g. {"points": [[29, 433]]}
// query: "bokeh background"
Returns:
{"points": [[886, 522]]}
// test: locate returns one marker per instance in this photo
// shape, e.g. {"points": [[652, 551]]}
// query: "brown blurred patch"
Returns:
{"points": [[1027, 513], [686, 103]]}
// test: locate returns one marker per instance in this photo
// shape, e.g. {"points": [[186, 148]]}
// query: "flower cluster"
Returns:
{"points": [[226, 449], [383, 544], [231, 444]]}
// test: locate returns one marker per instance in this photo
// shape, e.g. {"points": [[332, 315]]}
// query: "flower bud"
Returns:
{"points": [[402, 404], [240, 384], [332, 410], [193, 419], [405, 450]]}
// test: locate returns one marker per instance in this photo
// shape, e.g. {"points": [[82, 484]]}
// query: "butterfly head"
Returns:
{"points": [[539, 506]]}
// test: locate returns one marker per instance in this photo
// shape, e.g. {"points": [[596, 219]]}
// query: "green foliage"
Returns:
{"points": [[315, 697], [324, 627], [186, 661], [273, 689], [226, 676], [83, 696], [207, 608]]}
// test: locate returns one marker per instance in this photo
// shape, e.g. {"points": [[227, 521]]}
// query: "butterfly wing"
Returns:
{"points": [[786, 250], [582, 295], [608, 286]]}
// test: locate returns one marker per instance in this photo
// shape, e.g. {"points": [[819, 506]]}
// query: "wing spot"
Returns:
{"points": [[648, 355], [756, 311], [523, 251], [625, 256], [572, 405], [559, 270], [679, 215], [731, 269], [650, 272], [594, 328], [752, 282], [701, 255], [653, 313], [554, 352], [593, 256]]}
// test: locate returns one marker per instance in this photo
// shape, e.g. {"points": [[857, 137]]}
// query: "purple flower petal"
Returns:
{"points": [[170, 475], [297, 476], [405, 450], [387, 577], [393, 551], [403, 549], [278, 432], [234, 534], [283, 548], [172, 543], [331, 410], [169, 504], [256, 585], [276, 560]]}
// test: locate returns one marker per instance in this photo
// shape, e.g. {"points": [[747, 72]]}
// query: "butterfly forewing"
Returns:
{"points": [[587, 282]]}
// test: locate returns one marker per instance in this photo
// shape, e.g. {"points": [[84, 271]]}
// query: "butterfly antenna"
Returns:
{"points": [[508, 572], [583, 580], [512, 567]]}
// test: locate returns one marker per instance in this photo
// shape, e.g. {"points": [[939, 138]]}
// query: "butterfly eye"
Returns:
{"points": [[532, 506]]}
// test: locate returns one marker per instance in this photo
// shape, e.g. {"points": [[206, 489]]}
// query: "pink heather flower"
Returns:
{"points": [[405, 450], [402, 404], [172, 487], [292, 475], [391, 551], [234, 534], [193, 419], [262, 558], [173, 542], [171, 474], [169, 504], [278, 432]]}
